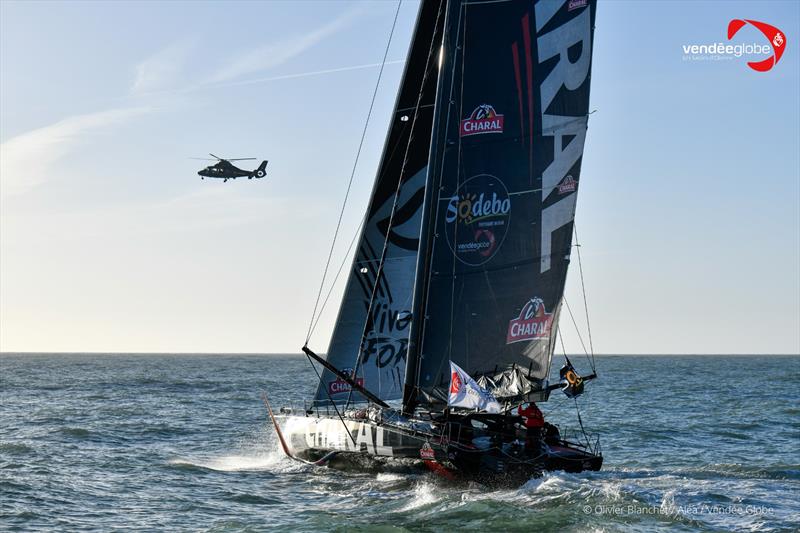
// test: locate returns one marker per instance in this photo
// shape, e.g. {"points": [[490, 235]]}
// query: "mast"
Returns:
{"points": [[428, 214]]}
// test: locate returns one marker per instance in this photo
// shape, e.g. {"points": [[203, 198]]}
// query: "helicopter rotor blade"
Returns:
{"points": [[203, 158], [243, 159], [215, 157]]}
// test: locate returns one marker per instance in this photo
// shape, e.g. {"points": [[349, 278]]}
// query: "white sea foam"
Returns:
{"points": [[424, 494], [232, 463], [254, 456], [389, 477]]}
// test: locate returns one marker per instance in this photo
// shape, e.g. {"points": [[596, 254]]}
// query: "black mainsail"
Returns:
{"points": [[370, 337], [511, 118], [464, 252]]}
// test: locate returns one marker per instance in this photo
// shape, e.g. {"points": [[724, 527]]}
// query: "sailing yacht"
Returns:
{"points": [[463, 254]]}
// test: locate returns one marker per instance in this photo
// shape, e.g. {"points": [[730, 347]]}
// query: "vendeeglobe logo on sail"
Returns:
{"points": [[533, 323], [480, 210], [484, 119]]}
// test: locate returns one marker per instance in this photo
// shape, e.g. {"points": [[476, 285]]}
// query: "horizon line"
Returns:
{"points": [[741, 354]]}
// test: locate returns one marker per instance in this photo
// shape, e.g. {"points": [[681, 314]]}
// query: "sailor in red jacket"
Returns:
{"points": [[534, 423]]}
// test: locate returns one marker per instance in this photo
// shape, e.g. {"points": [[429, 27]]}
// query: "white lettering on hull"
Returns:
{"points": [[380, 447], [325, 433], [365, 439]]}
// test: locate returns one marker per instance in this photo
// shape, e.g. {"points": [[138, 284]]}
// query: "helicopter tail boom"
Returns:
{"points": [[261, 171]]}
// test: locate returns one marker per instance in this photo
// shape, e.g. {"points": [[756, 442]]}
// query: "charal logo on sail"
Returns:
{"points": [[774, 47], [575, 4], [568, 185], [533, 323], [484, 119], [339, 385], [480, 210]]}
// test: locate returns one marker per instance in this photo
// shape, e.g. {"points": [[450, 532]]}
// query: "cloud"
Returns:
{"points": [[162, 69], [272, 55], [26, 160], [310, 73]]}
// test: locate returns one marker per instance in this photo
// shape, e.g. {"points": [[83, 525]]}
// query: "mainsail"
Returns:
{"points": [[508, 135], [370, 337]]}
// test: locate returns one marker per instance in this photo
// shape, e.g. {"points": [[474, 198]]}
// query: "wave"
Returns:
{"points": [[779, 471], [232, 463], [80, 433], [424, 494], [253, 499], [14, 448], [389, 477]]}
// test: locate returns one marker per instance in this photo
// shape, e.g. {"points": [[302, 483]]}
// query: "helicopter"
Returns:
{"points": [[223, 169]]}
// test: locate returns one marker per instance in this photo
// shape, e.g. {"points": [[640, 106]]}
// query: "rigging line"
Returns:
{"points": [[574, 323], [338, 273], [332, 402], [563, 348], [561, 338], [583, 289], [580, 421], [353, 172], [344, 261], [585, 352], [379, 273]]}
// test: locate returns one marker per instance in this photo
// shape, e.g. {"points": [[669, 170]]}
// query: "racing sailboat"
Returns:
{"points": [[462, 258]]}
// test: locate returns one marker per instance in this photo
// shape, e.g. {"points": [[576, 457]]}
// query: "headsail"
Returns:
{"points": [[379, 332], [509, 131]]}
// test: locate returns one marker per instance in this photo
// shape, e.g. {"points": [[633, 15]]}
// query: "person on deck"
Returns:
{"points": [[534, 424]]}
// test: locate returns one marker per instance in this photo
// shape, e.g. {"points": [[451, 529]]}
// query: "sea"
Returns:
{"points": [[111, 442]]}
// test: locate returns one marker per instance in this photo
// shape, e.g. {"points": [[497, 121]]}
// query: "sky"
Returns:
{"points": [[688, 215]]}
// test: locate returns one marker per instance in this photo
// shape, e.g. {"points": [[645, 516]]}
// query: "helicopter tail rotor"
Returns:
{"points": [[261, 171]]}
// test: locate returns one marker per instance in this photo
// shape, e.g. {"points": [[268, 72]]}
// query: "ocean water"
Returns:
{"points": [[180, 442]]}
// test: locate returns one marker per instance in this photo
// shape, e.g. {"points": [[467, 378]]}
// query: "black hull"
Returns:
{"points": [[376, 447]]}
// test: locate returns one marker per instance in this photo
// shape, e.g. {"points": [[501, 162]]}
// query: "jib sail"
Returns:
{"points": [[377, 327], [509, 130]]}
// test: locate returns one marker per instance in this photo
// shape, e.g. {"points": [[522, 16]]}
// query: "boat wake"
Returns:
{"points": [[233, 463], [257, 453], [424, 495]]}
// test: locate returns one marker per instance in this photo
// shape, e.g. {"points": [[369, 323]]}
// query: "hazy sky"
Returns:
{"points": [[689, 210]]}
